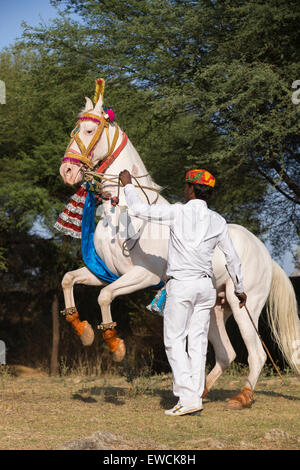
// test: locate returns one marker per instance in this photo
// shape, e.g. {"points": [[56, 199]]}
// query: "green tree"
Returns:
{"points": [[210, 85]]}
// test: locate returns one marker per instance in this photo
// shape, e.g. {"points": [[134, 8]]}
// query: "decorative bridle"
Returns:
{"points": [[85, 157]]}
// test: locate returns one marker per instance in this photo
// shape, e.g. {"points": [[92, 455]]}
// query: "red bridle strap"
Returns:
{"points": [[109, 160]]}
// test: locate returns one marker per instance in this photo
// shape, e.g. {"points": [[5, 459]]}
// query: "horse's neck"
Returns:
{"points": [[130, 160]]}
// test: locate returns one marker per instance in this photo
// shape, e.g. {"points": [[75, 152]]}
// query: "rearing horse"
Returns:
{"points": [[96, 141]]}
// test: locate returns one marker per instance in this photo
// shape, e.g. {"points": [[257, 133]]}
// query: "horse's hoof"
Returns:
{"points": [[234, 405], [119, 354], [82, 328], [242, 400], [116, 345], [87, 336]]}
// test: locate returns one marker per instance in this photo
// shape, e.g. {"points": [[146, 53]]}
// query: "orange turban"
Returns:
{"points": [[200, 177]]}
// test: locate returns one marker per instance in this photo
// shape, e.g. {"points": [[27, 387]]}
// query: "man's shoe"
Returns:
{"points": [[180, 410]]}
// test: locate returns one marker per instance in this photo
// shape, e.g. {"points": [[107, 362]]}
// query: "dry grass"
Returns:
{"points": [[41, 412]]}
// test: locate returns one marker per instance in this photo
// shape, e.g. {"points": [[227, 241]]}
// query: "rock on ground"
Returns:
{"points": [[276, 434], [104, 440], [25, 372]]}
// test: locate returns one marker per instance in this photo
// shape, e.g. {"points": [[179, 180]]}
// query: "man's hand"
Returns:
{"points": [[242, 298], [125, 177]]}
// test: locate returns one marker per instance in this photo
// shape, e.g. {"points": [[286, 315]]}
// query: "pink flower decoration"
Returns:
{"points": [[111, 114]]}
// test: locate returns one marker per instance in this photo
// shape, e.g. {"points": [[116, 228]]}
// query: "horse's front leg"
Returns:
{"points": [[135, 279], [79, 276]]}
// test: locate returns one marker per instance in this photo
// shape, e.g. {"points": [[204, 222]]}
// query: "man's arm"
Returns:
{"points": [[161, 213], [233, 265]]}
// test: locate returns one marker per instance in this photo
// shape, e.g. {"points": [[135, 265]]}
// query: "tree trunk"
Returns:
{"points": [[55, 336]]}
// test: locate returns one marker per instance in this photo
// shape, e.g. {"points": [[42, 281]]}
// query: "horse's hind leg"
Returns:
{"points": [[224, 352], [79, 276], [256, 354]]}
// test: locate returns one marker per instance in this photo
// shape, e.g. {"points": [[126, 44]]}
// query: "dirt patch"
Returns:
{"points": [[206, 443]]}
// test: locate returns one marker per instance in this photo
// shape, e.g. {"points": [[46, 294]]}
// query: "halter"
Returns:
{"points": [[85, 156]]}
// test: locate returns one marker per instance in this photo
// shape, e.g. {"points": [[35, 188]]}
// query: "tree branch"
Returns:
{"points": [[295, 155], [272, 182], [284, 176], [290, 183]]}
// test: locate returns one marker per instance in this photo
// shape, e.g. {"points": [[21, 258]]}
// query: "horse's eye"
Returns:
{"points": [[89, 131]]}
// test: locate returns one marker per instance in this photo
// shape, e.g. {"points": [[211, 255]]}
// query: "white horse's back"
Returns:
{"points": [[255, 259]]}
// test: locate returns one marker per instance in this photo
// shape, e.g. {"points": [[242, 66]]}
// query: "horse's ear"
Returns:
{"points": [[98, 108], [88, 105]]}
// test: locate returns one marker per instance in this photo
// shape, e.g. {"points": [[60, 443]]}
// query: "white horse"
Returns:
{"points": [[144, 264]]}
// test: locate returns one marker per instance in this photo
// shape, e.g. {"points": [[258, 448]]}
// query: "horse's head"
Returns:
{"points": [[83, 151]]}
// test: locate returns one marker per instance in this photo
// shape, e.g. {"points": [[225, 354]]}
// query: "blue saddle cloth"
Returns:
{"points": [[89, 255]]}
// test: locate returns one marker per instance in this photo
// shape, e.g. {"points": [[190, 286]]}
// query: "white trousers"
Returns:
{"points": [[186, 324]]}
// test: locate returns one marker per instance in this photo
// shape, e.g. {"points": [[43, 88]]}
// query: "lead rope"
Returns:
{"points": [[92, 176], [125, 248], [141, 188]]}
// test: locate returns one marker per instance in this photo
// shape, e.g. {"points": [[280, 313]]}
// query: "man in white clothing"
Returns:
{"points": [[195, 231]]}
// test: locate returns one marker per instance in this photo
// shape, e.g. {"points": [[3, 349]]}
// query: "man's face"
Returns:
{"points": [[188, 192]]}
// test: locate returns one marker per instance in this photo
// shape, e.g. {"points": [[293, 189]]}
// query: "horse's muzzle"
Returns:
{"points": [[71, 173]]}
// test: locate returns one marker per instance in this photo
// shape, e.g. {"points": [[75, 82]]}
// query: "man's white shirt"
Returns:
{"points": [[195, 231]]}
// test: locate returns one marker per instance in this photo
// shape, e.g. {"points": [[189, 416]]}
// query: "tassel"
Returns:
{"points": [[100, 84], [114, 201]]}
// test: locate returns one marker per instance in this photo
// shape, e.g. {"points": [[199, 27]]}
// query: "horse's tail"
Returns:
{"points": [[283, 317]]}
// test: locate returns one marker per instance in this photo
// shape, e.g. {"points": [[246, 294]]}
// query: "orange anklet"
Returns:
{"points": [[78, 325], [110, 338]]}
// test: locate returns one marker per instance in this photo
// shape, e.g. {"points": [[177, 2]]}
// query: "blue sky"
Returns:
{"points": [[13, 12]]}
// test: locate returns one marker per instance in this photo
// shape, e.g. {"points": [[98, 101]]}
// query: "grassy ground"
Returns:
{"points": [[41, 412]]}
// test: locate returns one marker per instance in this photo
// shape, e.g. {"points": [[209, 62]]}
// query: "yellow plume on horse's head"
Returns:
{"points": [[100, 84]]}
